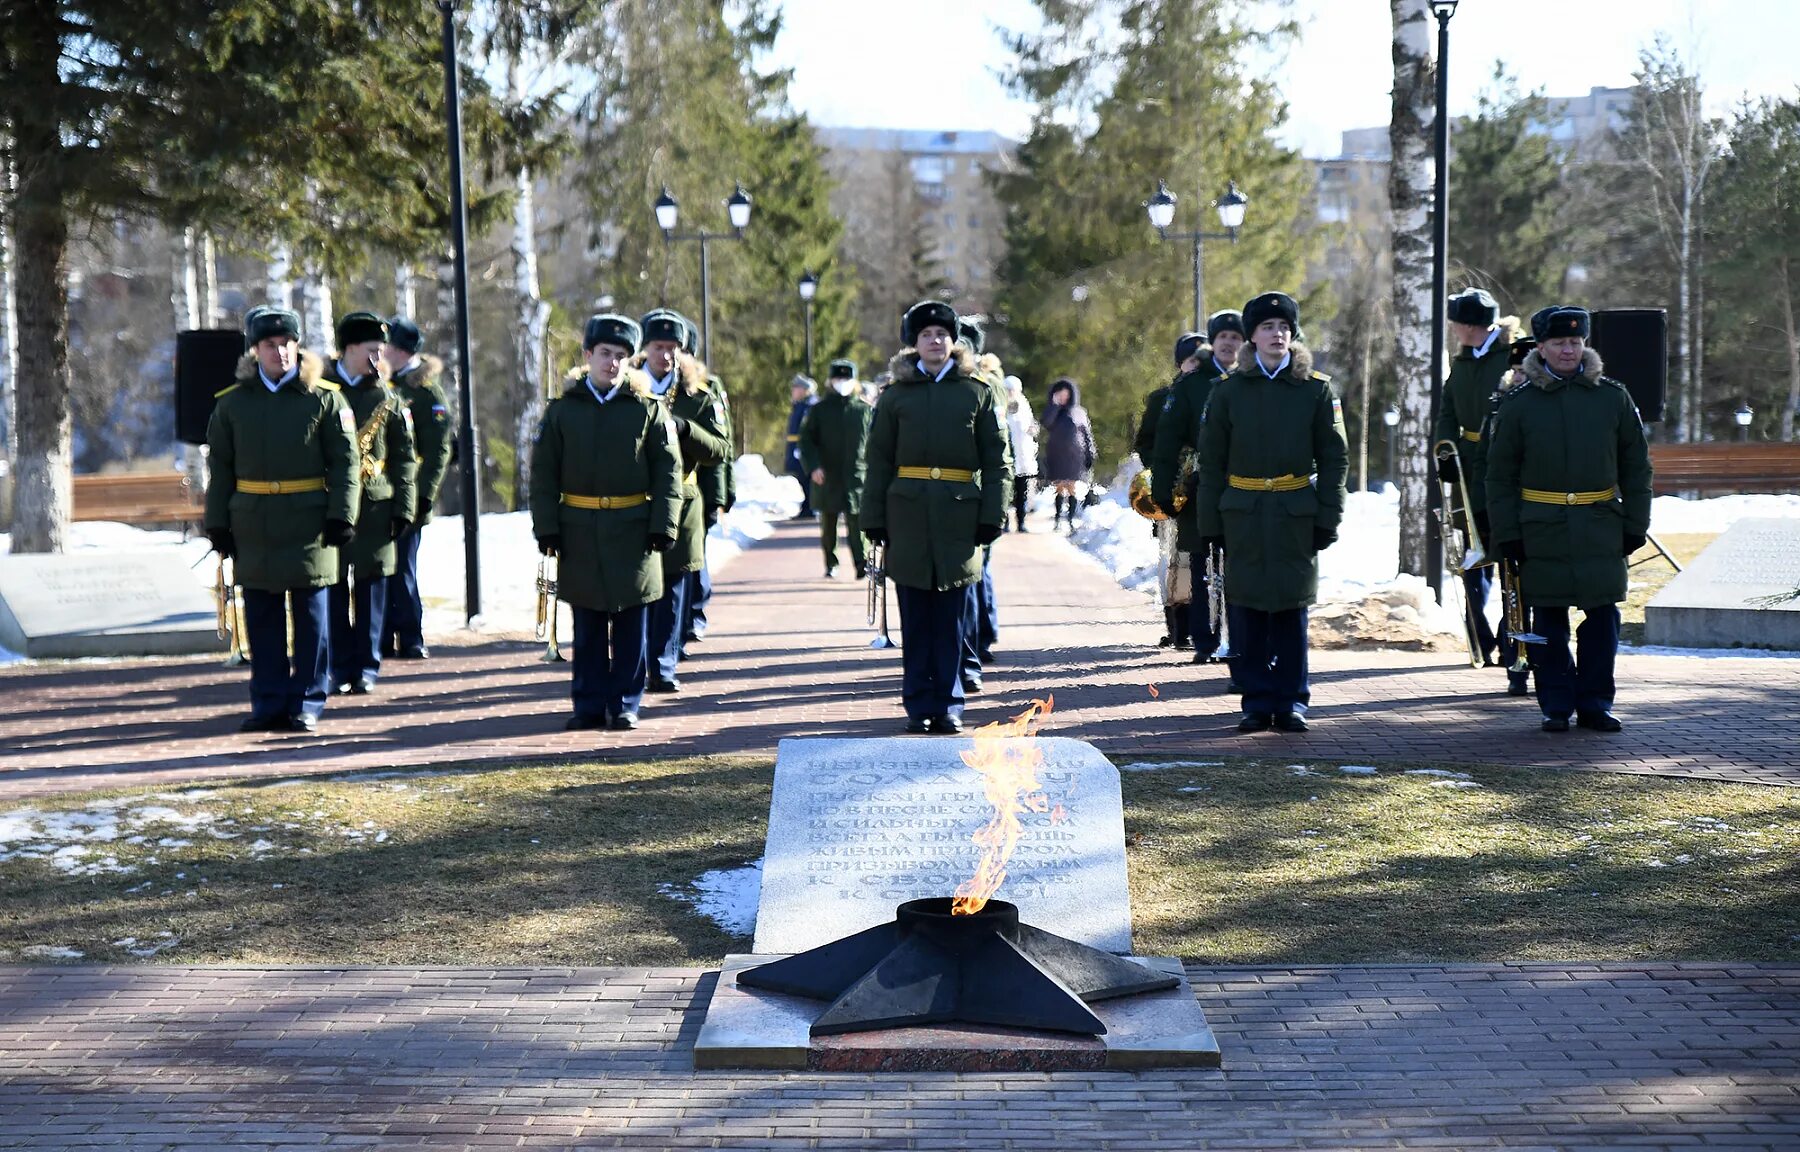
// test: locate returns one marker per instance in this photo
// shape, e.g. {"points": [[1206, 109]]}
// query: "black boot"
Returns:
{"points": [[1057, 523], [1178, 626], [1168, 636]]}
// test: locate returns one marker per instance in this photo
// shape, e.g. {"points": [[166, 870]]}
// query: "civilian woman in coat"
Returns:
{"points": [[1068, 446]]}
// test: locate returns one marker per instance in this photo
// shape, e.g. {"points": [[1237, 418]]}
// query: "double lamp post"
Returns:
{"points": [[1231, 205]]}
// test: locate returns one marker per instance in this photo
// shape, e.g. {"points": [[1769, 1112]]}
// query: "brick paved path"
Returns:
{"points": [[788, 656], [1545, 1058]]}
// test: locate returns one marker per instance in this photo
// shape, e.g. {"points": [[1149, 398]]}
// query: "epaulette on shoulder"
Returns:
{"points": [[1321, 377], [330, 385], [226, 391], [1610, 382]]}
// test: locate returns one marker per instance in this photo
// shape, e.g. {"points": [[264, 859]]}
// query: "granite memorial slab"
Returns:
{"points": [[751, 1028], [1735, 595], [857, 827], [143, 603]]}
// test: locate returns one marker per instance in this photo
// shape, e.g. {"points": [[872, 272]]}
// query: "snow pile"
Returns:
{"points": [[1673, 515], [726, 896]]}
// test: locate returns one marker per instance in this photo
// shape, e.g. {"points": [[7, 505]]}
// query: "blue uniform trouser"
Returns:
{"points": [[356, 639], [611, 662], [1583, 683], [666, 617], [278, 686], [981, 627], [405, 611], [1206, 641], [699, 594], [931, 649], [1477, 584], [1268, 658]]}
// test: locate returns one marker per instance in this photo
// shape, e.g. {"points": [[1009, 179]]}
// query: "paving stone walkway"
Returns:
{"points": [[1527, 1058], [788, 656]]}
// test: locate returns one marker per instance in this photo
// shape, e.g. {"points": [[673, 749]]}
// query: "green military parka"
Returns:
{"points": [[704, 443], [389, 465], [1468, 394], [835, 437], [424, 397], [1177, 432]]}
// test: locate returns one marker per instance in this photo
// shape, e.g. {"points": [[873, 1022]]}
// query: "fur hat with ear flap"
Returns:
{"points": [[611, 328], [1186, 346], [265, 321], [1559, 320], [1225, 320], [1472, 306], [923, 315], [1272, 306], [360, 328], [664, 324], [841, 370], [404, 334]]}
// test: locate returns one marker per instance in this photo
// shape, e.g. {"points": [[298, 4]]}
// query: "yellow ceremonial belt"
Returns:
{"points": [[1539, 496], [1271, 483], [281, 487], [794, 439], [1471, 437], [595, 503], [955, 475]]}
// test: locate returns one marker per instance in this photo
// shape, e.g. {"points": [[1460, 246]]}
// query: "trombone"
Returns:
{"points": [[231, 614], [1215, 603], [878, 597], [547, 605], [1463, 550]]}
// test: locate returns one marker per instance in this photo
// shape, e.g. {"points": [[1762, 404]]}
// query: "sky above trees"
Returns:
{"points": [[1337, 78]]}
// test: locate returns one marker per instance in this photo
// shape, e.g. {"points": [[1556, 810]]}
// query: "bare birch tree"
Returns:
{"points": [[531, 314], [1409, 195]]}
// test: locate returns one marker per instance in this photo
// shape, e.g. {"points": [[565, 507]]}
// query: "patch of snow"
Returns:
{"points": [[1454, 784], [1356, 769], [51, 952], [727, 896], [1159, 765], [1444, 772]]}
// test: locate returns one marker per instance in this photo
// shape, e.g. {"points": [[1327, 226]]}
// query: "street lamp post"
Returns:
{"points": [[1392, 419], [465, 388], [1743, 416], [1161, 208], [737, 210], [1440, 248], [809, 287]]}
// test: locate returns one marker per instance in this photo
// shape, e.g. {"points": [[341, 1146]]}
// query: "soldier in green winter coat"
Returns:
{"points": [[1568, 494], [833, 439], [281, 500], [679, 382], [415, 380], [1176, 584], [605, 500], [388, 464], [934, 494], [718, 492], [982, 632], [1176, 439], [1476, 376], [1271, 493]]}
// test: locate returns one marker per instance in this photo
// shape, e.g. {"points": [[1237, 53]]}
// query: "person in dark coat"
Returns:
{"points": [[281, 500], [1568, 494], [606, 501], [1177, 582], [833, 441], [1067, 454], [718, 492], [805, 393], [1272, 463], [415, 380], [389, 464], [935, 494]]}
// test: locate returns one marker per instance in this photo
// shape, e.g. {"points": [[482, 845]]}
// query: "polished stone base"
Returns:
{"points": [[748, 1028]]}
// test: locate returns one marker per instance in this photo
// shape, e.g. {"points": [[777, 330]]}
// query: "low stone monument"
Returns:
{"points": [[143, 603], [858, 828], [1736, 594]]}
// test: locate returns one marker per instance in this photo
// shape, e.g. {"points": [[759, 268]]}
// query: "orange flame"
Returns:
{"points": [[1008, 758]]}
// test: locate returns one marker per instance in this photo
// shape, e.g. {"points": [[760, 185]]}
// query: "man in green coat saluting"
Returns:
{"points": [[1568, 493], [833, 439], [1271, 492], [605, 501], [935, 494], [679, 382], [387, 464], [281, 500], [415, 380]]}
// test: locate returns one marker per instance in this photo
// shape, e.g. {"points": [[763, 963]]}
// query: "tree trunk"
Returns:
{"points": [[1409, 193], [281, 276], [9, 348], [42, 496], [531, 316], [1684, 342], [315, 310], [1362, 419], [405, 303], [212, 310], [1793, 351], [184, 299]]}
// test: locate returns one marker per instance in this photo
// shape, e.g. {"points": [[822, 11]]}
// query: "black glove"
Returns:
{"points": [[661, 543], [398, 528], [987, 533], [424, 509], [222, 542], [1513, 550], [876, 535], [549, 545], [339, 533], [1446, 468], [681, 425], [712, 515], [1323, 538], [1633, 543]]}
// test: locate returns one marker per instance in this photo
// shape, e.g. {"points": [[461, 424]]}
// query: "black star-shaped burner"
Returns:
{"points": [[928, 966]]}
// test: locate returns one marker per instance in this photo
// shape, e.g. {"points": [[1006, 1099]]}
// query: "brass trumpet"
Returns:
{"points": [[1215, 602], [231, 614], [547, 605], [878, 596], [1512, 597]]}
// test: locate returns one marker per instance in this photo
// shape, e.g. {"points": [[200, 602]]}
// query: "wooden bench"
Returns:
{"points": [[1720, 467], [138, 498]]}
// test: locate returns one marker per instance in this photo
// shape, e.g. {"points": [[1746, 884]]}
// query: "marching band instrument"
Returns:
{"points": [[1138, 495], [1462, 550], [1471, 555], [878, 596], [547, 607], [231, 615], [1215, 602], [1512, 598]]}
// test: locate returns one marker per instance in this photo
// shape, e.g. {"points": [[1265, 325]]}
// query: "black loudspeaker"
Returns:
{"points": [[206, 362], [1634, 347]]}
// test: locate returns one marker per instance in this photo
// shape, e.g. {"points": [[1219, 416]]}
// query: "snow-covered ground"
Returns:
{"points": [[508, 553], [1359, 577]]}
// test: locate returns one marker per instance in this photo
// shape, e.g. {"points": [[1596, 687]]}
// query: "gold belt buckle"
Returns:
{"points": [[1269, 484], [937, 473], [275, 487], [1570, 497]]}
